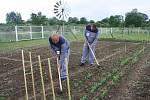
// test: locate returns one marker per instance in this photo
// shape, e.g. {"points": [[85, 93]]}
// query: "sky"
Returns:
{"points": [[91, 9]]}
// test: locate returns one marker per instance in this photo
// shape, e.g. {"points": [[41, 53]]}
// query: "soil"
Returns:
{"points": [[133, 85]]}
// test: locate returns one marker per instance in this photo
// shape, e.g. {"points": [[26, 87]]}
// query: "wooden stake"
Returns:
{"points": [[43, 87], [25, 80], [66, 62], [51, 78], [32, 75]]}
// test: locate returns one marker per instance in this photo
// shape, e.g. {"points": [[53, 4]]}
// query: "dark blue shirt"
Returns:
{"points": [[90, 35], [88, 27], [57, 45]]}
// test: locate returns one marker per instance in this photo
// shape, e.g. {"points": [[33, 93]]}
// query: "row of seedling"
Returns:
{"points": [[111, 78], [116, 75], [42, 79]]}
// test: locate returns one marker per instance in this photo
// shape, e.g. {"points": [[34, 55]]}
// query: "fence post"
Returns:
{"points": [[101, 30], [74, 29], [111, 30], [42, 32], [16, 33], [62, 30], [30, 32]]}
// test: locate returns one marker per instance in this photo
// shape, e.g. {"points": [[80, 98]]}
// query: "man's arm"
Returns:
{"points": [[64, 49], [96, 38]]}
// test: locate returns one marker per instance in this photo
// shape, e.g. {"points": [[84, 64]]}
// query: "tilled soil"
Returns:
{"points": [[82, 79], [135, 84]]}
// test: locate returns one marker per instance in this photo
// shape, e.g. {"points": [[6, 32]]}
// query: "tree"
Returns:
{"points": [[91, 21], [53, 21], [116, 21], [83, 20], [135, 18], [38, 19], [105, 22], [73, 20], [13, 18]]}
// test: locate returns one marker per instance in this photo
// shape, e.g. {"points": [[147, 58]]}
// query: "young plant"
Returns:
{"points": [[84, 97]]}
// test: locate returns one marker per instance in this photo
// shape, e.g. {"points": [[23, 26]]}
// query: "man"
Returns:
{"points": [[90, 35], [61, 48]]}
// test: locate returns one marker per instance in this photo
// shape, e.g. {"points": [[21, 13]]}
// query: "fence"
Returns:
{"points": [[19, 33]]}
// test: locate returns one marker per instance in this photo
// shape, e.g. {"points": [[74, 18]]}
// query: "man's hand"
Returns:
{"points": [[91, 44]]}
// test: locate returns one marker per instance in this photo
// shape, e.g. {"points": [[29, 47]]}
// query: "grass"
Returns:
{"points": [[9, 46], [2, 98], [128, 37], [22, 44]]}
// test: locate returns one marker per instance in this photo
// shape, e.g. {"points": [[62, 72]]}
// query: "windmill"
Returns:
{"points": [[62, 11]]}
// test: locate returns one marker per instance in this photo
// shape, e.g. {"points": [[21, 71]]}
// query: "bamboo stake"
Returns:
{"points": [[69, 95], [51, 78], [25, 80], [43, 88], [32, 75]]}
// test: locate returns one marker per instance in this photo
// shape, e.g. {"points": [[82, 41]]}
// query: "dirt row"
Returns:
{"points": [[12, 83]]}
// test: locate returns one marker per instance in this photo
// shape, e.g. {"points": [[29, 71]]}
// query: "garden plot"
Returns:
{"points": [[87, 82]]}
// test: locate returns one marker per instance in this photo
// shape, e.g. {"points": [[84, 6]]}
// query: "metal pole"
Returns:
{"points": [[30, 32], [43, 87], [63, 29], [25, 80], [42, 32], [16, 33], [51, 78], [32, 76]]}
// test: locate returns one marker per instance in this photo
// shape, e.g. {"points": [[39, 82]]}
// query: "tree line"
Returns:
{"points": [[132, 19]]}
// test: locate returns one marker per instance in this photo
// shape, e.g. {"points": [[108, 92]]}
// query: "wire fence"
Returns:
{"points": [[19, 33], [38, 35]]}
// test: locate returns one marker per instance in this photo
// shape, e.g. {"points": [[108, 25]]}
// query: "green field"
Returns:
{"points": [[129, 37], [10, 46], [136, 37]]}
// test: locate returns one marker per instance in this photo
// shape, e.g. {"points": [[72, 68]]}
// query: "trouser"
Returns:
{"points": [[86, 53], [62, 63]]}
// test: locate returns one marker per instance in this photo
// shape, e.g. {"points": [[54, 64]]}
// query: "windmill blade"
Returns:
{"points": [[57, 3], [55, 6], [65, 15], [55, 9], [61, 9], [60, 16], [60, 3], [56, 12]]}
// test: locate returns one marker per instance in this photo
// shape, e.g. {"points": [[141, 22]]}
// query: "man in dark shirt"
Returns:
{"points": [[90, 36], [61, 48]]}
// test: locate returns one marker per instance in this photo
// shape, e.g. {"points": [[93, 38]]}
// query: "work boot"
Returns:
{"points": [[63, 79], [82, 64]]}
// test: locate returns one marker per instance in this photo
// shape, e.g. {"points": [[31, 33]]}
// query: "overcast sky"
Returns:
{"points": [[91, 9]]}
